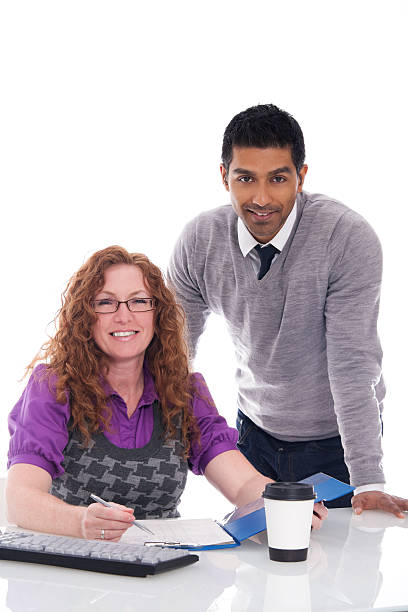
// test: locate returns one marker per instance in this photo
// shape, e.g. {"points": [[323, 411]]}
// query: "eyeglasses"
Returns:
{"points": [[108, 305]]}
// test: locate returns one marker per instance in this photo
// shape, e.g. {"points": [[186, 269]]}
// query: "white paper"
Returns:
{"points": [[187, 532]]}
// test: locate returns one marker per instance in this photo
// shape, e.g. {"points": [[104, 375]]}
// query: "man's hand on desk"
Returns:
{"points": [[377, 500], [320, 512]]}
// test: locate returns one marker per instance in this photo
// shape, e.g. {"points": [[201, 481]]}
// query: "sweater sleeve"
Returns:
{"points": [[216, 436], [353, 348], [38, 426], [182, 279]]}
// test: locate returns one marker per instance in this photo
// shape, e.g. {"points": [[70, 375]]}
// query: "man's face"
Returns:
{"points": [[263, 184]]}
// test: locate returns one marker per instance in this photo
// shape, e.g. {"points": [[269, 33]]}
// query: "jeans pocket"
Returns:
{"points": [[244, 429], [328, 445]]}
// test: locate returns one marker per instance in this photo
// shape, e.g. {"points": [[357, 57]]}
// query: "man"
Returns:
{"points": [[297, 277]]}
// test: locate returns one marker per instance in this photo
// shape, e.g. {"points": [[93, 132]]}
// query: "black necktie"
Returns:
{"points": [[266, 254]]}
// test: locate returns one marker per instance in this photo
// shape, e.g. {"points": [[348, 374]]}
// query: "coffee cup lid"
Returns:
{"points": [[289, 491]]}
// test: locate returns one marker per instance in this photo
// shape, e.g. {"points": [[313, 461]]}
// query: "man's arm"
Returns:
{"points": [[354, 356], [182, 276]]}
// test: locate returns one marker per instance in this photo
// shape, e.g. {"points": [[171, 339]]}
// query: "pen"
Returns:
{"points": [[173, 544], [107, 505]]}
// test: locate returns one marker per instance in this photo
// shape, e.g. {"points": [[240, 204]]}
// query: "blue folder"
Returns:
{"points": [[250, 519]]}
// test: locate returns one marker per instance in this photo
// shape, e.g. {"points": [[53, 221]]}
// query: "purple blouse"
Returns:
{"points": [[39, 434]]}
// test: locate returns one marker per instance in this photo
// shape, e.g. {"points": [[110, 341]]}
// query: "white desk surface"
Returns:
{"points": [[354, 563]]}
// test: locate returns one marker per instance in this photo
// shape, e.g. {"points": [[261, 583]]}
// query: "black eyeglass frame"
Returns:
{"points": [[153, 304]]}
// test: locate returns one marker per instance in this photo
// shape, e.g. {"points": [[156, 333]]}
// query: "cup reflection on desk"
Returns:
{"points": [[288, 589]]}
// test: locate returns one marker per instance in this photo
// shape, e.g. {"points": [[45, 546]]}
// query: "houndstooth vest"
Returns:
{"points": [[150, 479]]}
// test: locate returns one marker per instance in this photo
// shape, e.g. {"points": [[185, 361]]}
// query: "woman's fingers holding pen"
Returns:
{"points": [[101, 523]]}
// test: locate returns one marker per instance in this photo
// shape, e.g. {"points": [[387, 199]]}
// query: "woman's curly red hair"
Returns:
{"points": [[73, 355]]}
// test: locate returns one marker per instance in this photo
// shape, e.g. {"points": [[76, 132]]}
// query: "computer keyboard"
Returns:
{"points": [[92, 555]]}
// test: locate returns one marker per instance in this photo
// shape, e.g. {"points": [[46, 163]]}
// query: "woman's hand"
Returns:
{"points": [[320, 513], [101, 523]]}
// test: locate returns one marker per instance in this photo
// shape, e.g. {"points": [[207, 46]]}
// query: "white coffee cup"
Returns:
{"points": [[288, 511]]}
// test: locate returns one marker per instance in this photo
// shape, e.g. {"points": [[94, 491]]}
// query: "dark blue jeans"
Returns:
{"points": [[292, 461]]}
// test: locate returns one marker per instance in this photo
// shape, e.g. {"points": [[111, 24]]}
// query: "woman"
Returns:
{"points": [[115, 411]]}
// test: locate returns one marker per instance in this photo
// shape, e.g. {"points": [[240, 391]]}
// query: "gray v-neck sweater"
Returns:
{"points": [[305, 336]]}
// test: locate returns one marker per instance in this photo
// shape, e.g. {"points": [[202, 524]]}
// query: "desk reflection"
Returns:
{"points": [[67, 590], [341, 573]]}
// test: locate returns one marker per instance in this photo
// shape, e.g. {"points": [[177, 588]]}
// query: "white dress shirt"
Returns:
{"points": [[247, 242]]}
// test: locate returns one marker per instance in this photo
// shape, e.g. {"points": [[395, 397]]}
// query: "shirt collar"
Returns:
{"points": [[149, 394], [247, 242]]}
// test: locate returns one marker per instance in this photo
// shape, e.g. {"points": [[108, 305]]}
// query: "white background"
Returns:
{"points": [[111, 119]]}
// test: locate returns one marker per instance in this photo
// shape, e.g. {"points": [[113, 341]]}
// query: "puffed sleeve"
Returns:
{"points": [[38, 425], [215, 435]]}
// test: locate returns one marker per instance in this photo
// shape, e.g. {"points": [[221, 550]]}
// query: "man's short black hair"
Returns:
{"points": [[263, 126]]}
